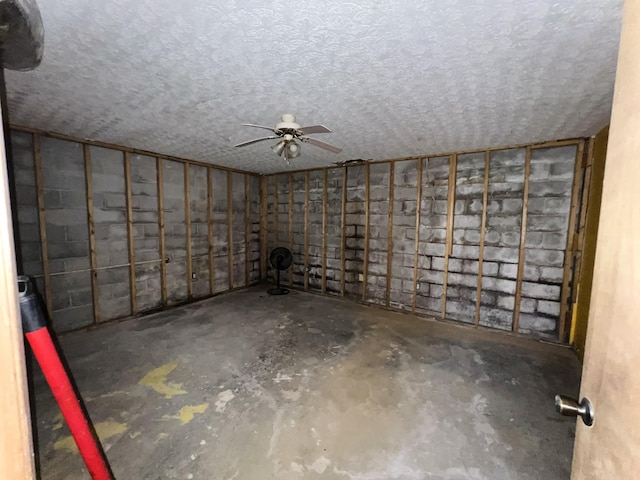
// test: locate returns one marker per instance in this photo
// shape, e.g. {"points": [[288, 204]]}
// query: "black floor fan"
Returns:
{"points": [[280, 259]]}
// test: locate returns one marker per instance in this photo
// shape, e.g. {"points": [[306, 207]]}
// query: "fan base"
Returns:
{"points": [[278, 291]]}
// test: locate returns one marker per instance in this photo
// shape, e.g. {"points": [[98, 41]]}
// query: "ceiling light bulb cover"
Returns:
{"points": [[293, 150], [279, 147]]}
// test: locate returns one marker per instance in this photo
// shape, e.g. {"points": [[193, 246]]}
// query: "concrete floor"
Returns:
{"points": [[250, 386]]}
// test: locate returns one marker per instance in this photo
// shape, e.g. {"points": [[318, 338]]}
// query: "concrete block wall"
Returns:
{"points": [[403, 234], [199, 219], [462, 279], [65, 209], [254, 221], [333, 269], [111, 238], [446, 279], [314, 229], [282, 182], [299, 226], [502, 238], [379, 178], [67, 232], [146, 232], [272, 222], [175, 231], [432, 235], [220, 231], [27, 202], [354, 230], [548, 211], [238, 228]]}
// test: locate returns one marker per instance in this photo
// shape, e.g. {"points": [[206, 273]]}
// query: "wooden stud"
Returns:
{"points": [[46, 271], [584, 202], [523, 235], [306, 231], [230, 226], [390, 232], [343, 224], [130, 237], [416, 245], [187, 225], [325, 200], [247, 233], [92, 233], [212, 275], [291, 227], [367, 195], [568, 256], [451, 204], [483, 229], [263, 226], [163, 250]]}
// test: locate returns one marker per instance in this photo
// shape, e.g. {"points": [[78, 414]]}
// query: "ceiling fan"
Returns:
{"points": [[289, 131]]}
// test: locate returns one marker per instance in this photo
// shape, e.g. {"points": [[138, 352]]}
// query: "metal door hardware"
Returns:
{"points": [[569, 407]]}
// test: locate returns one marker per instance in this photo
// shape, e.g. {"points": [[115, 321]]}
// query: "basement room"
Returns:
{"points": [[320, 240]]}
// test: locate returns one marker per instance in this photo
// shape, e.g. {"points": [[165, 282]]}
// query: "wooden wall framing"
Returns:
{"points": [[451, 201], [131, 198], [44, 246], [451, 227], [416, 243], [187, 228], [306, 229], [483, 231], [92, 233], [230, 226], [523, 235], [210, 237], [130, 237]]}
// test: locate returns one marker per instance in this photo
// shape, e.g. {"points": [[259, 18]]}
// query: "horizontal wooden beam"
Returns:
{"points": [[122, 148]]}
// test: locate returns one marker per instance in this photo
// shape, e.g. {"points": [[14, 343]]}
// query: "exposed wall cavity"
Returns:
{"points": [[481, 238], [108, 233]]}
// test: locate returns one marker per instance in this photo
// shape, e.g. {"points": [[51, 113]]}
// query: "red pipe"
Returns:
{"points": [[56, 375]]}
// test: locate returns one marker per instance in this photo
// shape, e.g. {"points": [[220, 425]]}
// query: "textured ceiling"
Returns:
{"points": [[390, 78]]}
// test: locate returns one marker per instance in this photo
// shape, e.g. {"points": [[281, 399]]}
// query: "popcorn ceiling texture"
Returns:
{"points": [[391, 79]]}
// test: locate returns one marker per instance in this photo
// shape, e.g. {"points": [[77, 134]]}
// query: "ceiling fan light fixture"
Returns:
{"points": [[293, 149], [279, 147]]}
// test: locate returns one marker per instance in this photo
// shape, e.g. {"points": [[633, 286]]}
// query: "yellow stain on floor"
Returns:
{"points": [[157, 380], [105, 430], [187, 413], [57, 422]]}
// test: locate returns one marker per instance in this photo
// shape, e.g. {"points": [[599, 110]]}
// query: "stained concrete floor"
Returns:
{"points": [[250, 386]]}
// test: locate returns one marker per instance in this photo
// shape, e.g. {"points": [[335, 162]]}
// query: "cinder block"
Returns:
{"points": [[72, 318], [501, 254], [499, 285], [496, 318], [540, 291], [544, 258], [549, 308], [534, 323], [466, 251], [551, 274]]}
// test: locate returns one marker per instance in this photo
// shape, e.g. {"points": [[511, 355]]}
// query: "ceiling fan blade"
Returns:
{"points": [[256, 140], [320, 144], [314, 129], [258, 126]]}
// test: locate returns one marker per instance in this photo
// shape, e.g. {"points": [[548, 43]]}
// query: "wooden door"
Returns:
{"points": [[610, 449], [16, 453]]}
